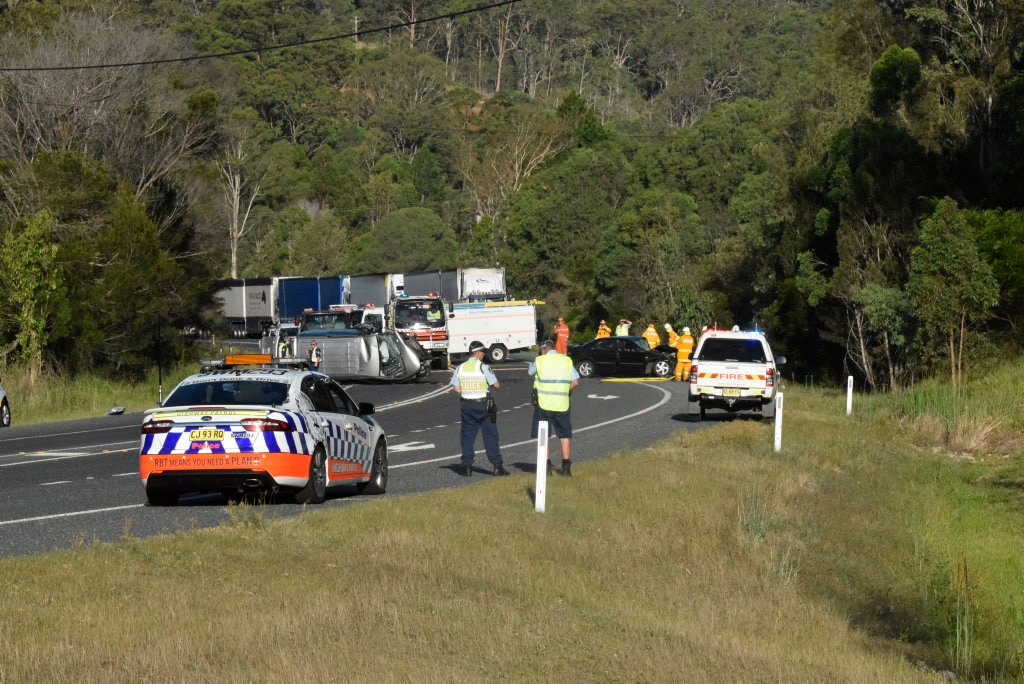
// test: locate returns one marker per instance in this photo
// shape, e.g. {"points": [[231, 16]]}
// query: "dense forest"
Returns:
{"points": [[843, 175]]}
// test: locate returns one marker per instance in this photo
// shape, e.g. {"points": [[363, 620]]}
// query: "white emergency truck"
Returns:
{"points": [[502, 327]]}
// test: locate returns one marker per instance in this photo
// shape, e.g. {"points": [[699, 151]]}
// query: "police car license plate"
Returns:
{"points": [[731, 392], [206, 434]]}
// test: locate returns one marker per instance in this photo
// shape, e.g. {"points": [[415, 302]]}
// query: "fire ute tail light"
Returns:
{"points": [[265, 425], [693, 374], [156, 427], [770, 377]]}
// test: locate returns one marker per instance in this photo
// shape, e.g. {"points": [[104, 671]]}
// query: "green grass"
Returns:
{"points": [[860, 552]]}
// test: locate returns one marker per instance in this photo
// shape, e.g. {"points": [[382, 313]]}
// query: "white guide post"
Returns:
{"points": [[778, 422], [542, 466], [849, 395]]}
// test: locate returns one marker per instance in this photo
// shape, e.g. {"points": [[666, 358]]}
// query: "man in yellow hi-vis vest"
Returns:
{"points": [[554, 377], [472, 381]]}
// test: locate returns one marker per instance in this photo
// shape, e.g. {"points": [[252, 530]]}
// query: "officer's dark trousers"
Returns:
{"points": [[474, 419]]}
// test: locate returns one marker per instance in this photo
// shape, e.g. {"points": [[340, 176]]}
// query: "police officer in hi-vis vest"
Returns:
{"points": [[554, 376], [472, 381]]}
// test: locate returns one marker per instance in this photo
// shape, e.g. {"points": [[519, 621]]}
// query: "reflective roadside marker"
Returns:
{"points": [[849, 395], [778, 422], [542, 466]]}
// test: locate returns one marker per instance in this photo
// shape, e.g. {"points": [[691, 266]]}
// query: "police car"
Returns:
{"points": [[246, 426]]}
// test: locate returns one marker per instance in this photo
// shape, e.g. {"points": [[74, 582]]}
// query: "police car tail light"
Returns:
{"points": [[155, 427], [265, 425], [770, 379]]}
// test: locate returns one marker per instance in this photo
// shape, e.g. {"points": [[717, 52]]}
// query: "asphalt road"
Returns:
{"points": [[76, 483]]}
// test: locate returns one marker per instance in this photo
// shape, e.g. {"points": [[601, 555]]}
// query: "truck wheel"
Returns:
{"points": [[498, 353], [585, 369]]}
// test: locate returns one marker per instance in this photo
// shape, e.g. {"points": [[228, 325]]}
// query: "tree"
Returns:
{"points": [[410, 239], [31, 287], [495, 164], [951, 286], [240, 180]]}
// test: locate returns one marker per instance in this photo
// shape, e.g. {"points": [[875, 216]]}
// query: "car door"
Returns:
{"points": [[603, 355], [631, 357], [354, 434]]}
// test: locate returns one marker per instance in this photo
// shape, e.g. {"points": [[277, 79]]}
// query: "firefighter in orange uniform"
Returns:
{"points": [[561, 336], [652, 336], [684, 346], [603, 331], [672, 336]]}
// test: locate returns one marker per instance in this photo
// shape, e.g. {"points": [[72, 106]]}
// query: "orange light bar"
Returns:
{"points": [[247, 359]]}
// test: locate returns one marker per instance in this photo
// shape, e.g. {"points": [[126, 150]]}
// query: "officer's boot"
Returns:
{"points": [[566, 467]]}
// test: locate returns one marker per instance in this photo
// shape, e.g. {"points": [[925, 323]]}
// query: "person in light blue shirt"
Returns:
{"points": [[473, 381]]}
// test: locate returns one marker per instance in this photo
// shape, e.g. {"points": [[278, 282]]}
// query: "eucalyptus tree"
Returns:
{"points": [[952, 287]]}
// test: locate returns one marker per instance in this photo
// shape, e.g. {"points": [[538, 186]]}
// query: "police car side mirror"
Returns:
{"points": [[366, 408]]}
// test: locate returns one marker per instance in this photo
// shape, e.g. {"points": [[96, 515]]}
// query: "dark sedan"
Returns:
{"points": [[626, 355]]}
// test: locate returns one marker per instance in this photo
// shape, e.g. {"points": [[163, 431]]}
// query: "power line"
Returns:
{"points": [[233, 53]]}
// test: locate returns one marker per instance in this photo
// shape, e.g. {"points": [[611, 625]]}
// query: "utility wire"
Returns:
{"points": [[233, 53]]}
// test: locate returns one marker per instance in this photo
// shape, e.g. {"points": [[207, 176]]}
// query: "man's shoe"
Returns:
{"points": [[551, 468], [500, 470], [466, 470], [567, 468]]}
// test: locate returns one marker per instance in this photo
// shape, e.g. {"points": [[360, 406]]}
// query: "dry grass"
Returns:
{"points": [[850, 556]]}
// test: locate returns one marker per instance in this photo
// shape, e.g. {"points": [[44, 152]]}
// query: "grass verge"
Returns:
{"points": [[860, 552]]}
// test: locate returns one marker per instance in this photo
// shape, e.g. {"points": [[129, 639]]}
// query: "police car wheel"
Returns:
{"points": [[315, 490], [161, 497], [378, 482], [585, 369], [5, 414]]}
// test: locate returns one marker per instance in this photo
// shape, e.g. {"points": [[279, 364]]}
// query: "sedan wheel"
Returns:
{"points": [[378, 482], [5, 414], [315, 490], [662, 368], [585, 369]]}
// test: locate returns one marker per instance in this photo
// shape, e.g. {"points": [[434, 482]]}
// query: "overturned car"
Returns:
{"points": [[352, 350]]}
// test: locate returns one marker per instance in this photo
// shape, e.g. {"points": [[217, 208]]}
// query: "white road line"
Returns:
{"points": [[60, 434], [664, 400], [72, 514]]}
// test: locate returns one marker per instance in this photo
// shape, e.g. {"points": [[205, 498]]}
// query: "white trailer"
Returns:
{"points": [[502, 327]]}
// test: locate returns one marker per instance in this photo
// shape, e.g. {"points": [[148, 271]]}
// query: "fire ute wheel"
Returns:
{"points": [[585, 368], [768, 411], [498, 353], [694, 413]]}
